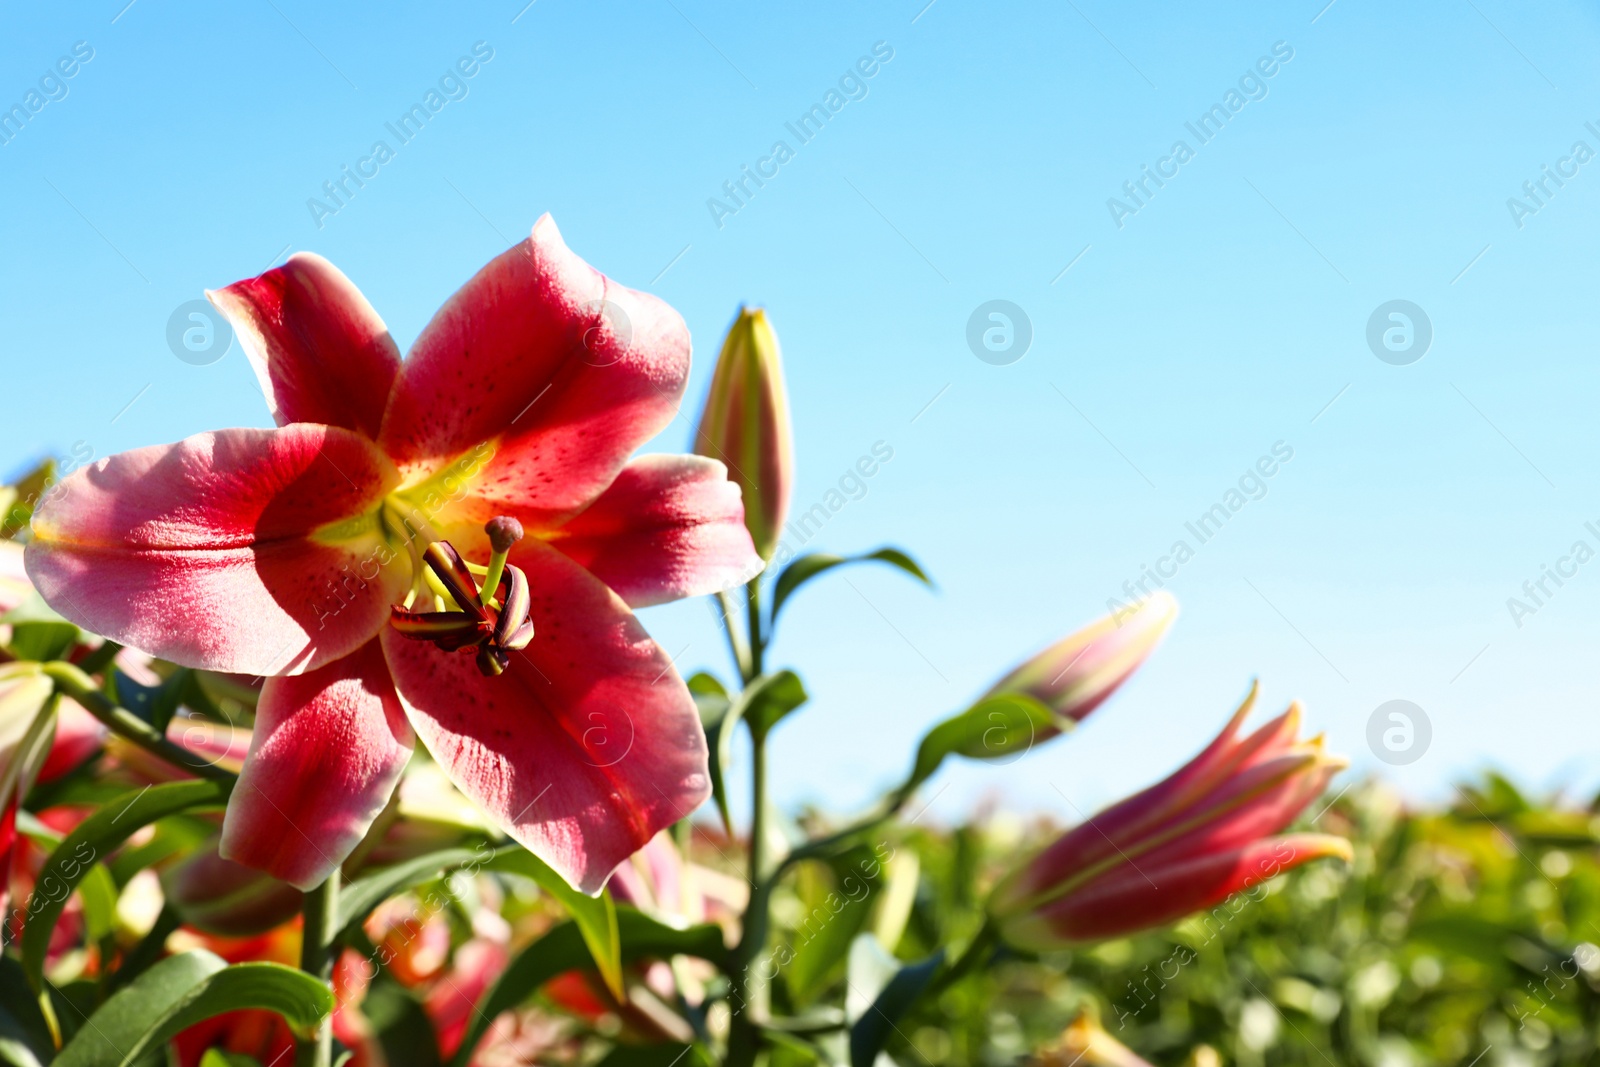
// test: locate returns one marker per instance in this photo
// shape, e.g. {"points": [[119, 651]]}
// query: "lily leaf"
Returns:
{"points": [[562, 949], [38, 632], [997, 727], [183, 990], [596, 917], [81, 852], [810, 566], [359, 897], [872, 1025], [24, 1034]]}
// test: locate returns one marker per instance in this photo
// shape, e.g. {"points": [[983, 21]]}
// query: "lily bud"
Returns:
{"points": [[220, 897], [1076, 674], [745, 425], [1180, 846]]}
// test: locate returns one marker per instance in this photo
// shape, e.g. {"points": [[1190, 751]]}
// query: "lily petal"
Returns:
{"points": [[668, 527], [246, 551], [318, 348], [328, 750], [529, 389], [1129, 899], [585, 747]]}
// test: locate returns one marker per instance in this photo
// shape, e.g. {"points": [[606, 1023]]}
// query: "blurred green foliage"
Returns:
{"points": [[1460, 935]]}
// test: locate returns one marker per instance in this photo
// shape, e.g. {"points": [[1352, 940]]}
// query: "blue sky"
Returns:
{"points": [[1227, 315]]}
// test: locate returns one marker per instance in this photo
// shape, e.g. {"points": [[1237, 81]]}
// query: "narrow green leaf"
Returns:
{"points": [[99, 894], [42, 641], [24, 1034], [183, 990], [871, 1029], [23, 497], [998, 727], [822, 941], [92, 841], [563, 949], [596, 917], [358, 898], [808, 567], [400, 1024]]}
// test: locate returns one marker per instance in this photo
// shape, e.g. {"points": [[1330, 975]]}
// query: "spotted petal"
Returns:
{"points": [[530, 388], [585, 747]]}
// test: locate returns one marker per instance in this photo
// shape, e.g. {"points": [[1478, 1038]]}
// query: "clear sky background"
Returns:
{"points": [[1229, 313]]}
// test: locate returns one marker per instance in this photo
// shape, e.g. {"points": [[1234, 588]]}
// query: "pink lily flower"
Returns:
{"points": [[287, 552], [1211, 829], [1078, 673]]}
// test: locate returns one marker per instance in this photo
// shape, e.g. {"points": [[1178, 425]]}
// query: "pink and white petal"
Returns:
{"points": [[14, 584], [1128, 899], [585, 747], [1121, 826], [533, 385], [668, 527], [318, 348], [79, 735], [247, 551], [328, 750]]}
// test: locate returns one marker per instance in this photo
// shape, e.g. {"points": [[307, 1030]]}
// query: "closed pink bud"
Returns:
{"points": [[218, 896], [745, 425], [1210, 830], [1076, 674]]}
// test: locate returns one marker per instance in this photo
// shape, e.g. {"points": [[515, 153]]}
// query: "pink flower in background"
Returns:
{"points": [[1076, 674], [1208, 831], [284, 552], [24, 746]]}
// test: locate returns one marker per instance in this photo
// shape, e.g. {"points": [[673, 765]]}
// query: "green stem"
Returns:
{"points": [[72, 682], [978, 951], [749, 987], [758, 639], [749, 992], [736, 643], [318, 933]]}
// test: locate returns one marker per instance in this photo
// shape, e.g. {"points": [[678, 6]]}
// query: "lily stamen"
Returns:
{"points": [[477, 623]]}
